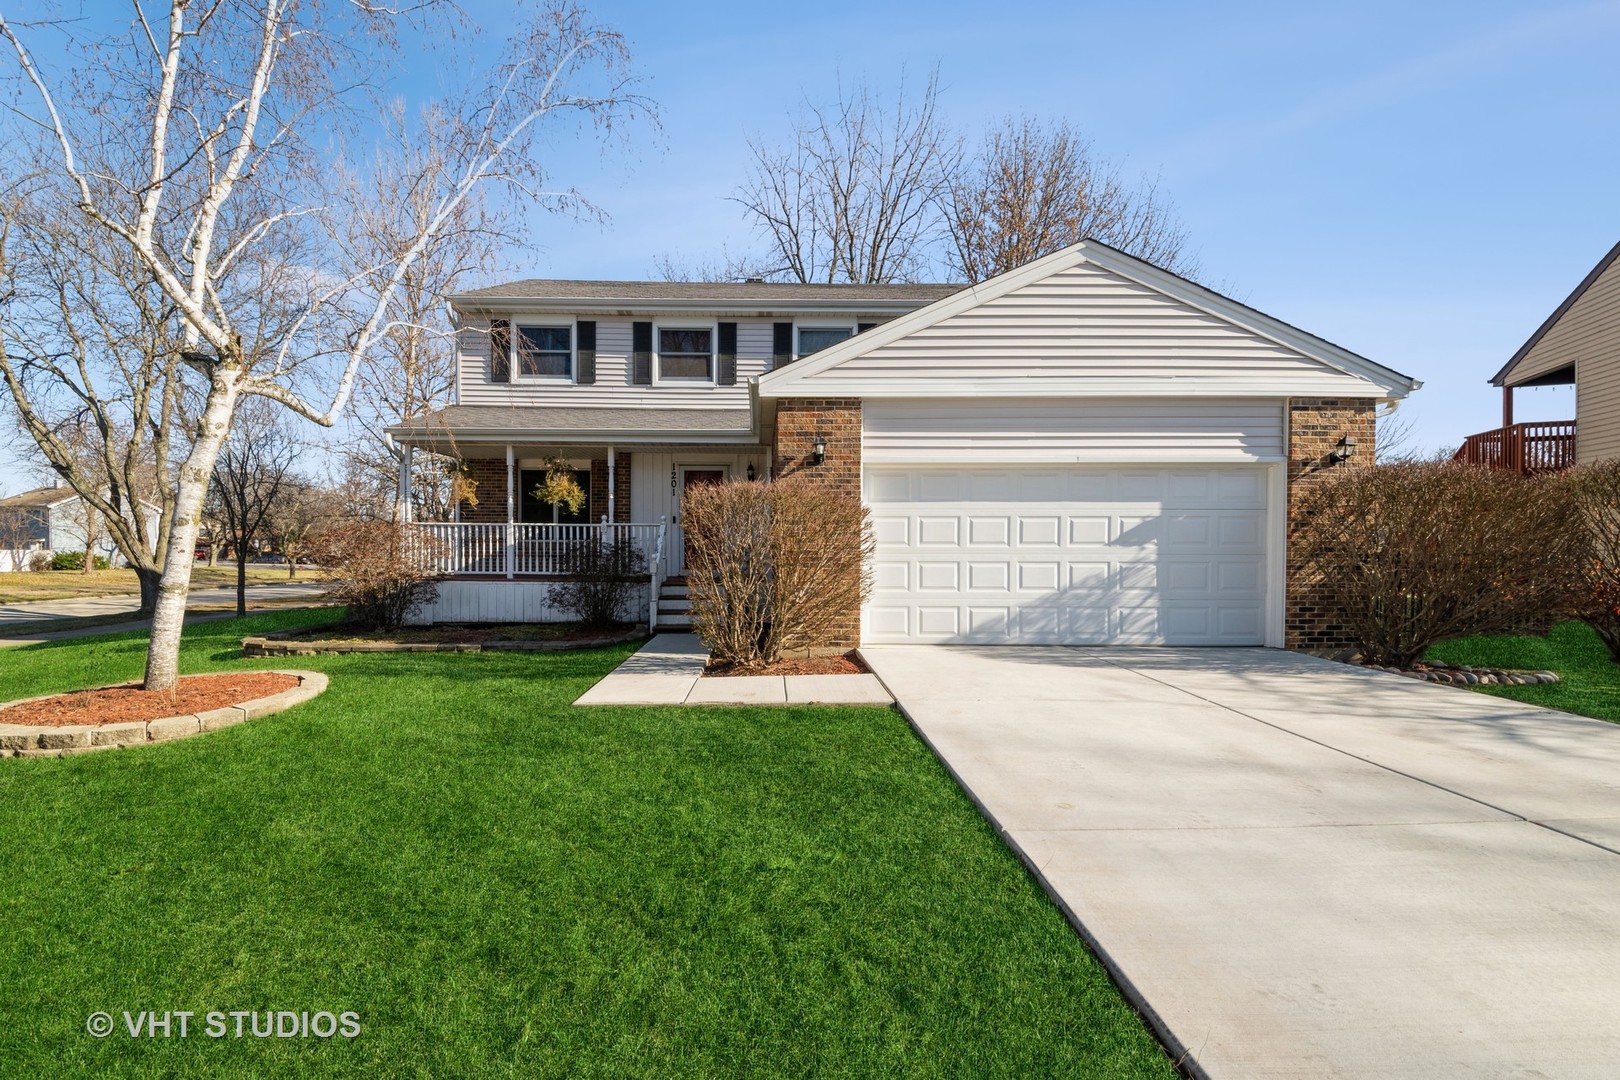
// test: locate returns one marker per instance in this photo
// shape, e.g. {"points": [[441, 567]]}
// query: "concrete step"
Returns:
{"points": [[673, 625]]}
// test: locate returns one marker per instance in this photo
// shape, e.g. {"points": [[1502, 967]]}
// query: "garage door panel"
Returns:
{"points": [[1142, 555], [1038, 531], [1095, 576], [1134, 531], [989, 577], [985, 531], [1089, 529], [892, 529]]}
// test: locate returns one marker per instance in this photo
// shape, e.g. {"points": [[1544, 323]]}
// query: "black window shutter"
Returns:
{"points": [[500, 350], [861, 328], [727, 375], [781, 345], [586, 343], [641, 345]]}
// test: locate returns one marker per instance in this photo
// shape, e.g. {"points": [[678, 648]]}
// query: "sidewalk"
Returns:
{"points": [[14, 615], [668, 670]]}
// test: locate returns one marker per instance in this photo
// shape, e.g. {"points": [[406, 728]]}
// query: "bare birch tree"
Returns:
{"points": [[1032, 189], [854, 196], [206, 141], [412, 370]]}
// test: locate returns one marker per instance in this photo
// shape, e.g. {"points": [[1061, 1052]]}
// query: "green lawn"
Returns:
{"points": [[502, 885], [1591, 680]]}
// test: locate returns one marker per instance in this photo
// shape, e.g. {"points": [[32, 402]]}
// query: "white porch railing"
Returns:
{"points": [[467, 549]]}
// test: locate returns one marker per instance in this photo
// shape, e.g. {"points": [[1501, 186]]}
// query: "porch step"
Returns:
{"points": [[674, 592], [673, 607]]}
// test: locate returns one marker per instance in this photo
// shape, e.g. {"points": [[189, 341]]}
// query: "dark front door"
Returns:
{"points": [[531, 509], [691, 478]]}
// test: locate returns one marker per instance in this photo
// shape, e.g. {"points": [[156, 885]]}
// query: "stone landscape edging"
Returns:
{"points": [[276, 645], [34, 740]]}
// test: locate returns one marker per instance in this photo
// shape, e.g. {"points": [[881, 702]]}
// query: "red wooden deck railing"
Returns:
{"points": [[1524, 448]]}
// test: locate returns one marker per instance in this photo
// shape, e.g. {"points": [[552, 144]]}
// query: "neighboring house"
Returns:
{"points": [[1579, 346], [1085, 450], [52, 519]]}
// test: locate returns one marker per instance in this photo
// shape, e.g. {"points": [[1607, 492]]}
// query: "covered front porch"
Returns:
{"points": [[503, 549]]}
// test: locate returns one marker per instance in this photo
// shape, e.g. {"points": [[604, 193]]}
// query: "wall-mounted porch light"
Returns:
{"points": [[751, 473], [818, 451], [1345, 450]]}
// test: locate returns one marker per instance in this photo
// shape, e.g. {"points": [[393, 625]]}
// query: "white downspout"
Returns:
{"points": [[612, 462]]}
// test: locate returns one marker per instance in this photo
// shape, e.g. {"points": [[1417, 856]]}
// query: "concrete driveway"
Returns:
{"points": [[1297, 868]]}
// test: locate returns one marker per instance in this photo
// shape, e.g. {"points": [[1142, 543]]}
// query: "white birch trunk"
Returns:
{"points": [[168, 618]]}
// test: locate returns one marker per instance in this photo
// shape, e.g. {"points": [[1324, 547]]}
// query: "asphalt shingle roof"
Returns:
{"points": [[650, 291]]}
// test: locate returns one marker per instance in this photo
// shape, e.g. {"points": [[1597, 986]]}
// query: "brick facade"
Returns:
{"points": [[838, 422], [621, 487], [490, 474], [1314, 429]]}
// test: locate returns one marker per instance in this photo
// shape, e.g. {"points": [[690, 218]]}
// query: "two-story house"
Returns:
{"points": [[1084, 450]]}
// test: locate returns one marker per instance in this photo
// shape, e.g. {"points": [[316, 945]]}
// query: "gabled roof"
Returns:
{"points": [[35, 497], [48, 497], [1347, 368], [691, 295], [1558, 313]]}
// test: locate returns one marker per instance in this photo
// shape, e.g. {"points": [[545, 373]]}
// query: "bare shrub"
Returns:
{"points": [[1594, 499], [1414, 553], [381, 570], [605, 576], [773, 567]]}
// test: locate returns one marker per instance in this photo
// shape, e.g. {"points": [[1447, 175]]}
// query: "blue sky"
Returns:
{"points": [[1419, 182]]}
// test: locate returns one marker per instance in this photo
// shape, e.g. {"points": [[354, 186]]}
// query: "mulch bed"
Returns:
{"points": [[840, 664], [120, 704]]}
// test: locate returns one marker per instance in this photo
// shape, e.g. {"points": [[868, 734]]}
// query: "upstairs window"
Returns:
{"points": [[686, 354], [545, 352], [815, 338]]}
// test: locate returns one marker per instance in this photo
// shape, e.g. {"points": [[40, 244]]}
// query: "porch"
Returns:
{"points": [[1522, 448]]}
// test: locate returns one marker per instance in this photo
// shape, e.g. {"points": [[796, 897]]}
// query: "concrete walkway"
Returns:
{"points": [[668, 670], [1298, 868]]}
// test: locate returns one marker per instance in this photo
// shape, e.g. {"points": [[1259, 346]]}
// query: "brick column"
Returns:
{"points": [[838, 422], [1315, 426], [490, 476]]}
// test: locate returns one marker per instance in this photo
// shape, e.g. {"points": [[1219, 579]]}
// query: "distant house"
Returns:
{"points": [[1578, 345], [51, 519]]}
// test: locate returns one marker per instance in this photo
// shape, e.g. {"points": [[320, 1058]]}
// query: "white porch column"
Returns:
{"points": [[511, 515], [612, 462], [402, 508]]}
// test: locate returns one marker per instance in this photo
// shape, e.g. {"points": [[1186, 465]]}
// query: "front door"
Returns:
{"points": [[693, 476]]}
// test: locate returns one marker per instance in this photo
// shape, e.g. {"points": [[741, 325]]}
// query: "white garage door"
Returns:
{"points": [[1068, 555]]}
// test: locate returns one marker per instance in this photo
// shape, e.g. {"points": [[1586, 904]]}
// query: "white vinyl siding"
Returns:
{"points": [[1068, 430], [1084, 330], [612, 386], [1069, 555]]}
